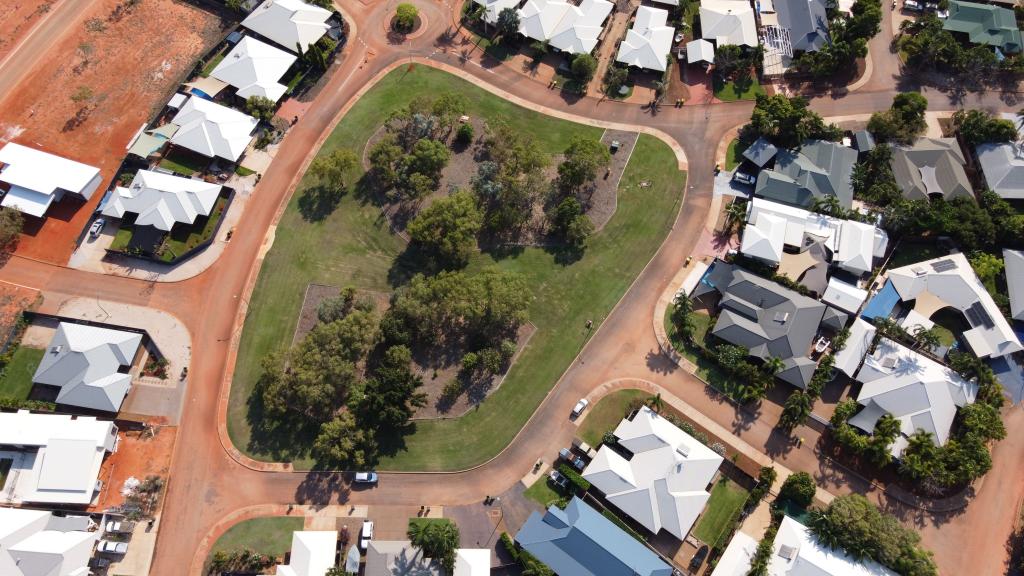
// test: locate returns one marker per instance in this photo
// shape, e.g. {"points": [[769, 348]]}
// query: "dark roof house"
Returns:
{"points": [[818, 169], [807, 22], [984, 24], [931, 166], [579, 541], [760, 152]]}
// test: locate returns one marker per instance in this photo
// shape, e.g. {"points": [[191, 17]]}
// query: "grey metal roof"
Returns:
{"points": [[579, 541], [397, 558], [1003, 166], [1014, 266], [760, 152], [864, 141], [807, 21], [798, 371], [818, 169], [834, 319], [931, 166]]}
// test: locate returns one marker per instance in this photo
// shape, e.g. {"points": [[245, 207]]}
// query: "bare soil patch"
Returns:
{"points": [[139, 455], [19, 16], [121, 65], [317, 293]]}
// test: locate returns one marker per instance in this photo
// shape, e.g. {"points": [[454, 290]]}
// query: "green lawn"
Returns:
{"points": [[734, 155], [543, 492], [727, 498], [184, 162], [121, 237], [184, 238], [707, 369], [271, 536], [730, 92], [948, 323], [208, 69], [16, 377], [913, 252], [352, 246], [606, 415]]}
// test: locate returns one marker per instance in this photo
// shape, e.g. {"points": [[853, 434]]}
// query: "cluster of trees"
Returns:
{"points": [[735, 62], [903, 122], [787, 122], [754, 380], [799, 404], [873, 448], [855, 525], [437, 539], [447, 229], [979, 127], [508, 181], [873, 180], [988, 224], [919, 338], [242, 560], [849, 34], [929, 48]]}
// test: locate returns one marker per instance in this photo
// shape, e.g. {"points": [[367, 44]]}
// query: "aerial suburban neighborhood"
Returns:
{"points": [[511, 287]]}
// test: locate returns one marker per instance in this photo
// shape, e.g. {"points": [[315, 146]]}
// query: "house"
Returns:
{"points": [[38, 543], [806, 21], [493, 8], [567, 27], [391, 557], [213, 130], [862, 335], [817, 170], [1014, 268], [700, 50], [1002, 164], [949, 281], [916, 390], [984, 24], [162, 200], [795, 552], [56, 458], [728, 22], [31, 179], [663, 486], [90, 365], [313, 553], [254, 68], [579, 541], [769, 320], [649, 41], [844, 296], [931, 166], [863, 141], [761, 152], [291, 24]]}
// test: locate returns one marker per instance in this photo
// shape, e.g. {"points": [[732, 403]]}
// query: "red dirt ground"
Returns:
{"points": [[14, 300], [136, 456], [131, 60], [19, 16]]}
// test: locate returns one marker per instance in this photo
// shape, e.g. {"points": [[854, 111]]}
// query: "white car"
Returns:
{"points": [[120, 526], [366, 478], [112, 547], [367, 535], [97, 227], [580, 407]]}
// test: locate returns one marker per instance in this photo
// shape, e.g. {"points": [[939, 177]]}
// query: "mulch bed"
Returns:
{"points": [[317, 293]]}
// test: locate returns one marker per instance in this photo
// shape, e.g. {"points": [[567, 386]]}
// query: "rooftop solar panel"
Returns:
{"points": [[944, 265], [978, 316]]}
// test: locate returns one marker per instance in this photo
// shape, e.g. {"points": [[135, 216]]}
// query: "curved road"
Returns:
{"points": [[207, 483]]}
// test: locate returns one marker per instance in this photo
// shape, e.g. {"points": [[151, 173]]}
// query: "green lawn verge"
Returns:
{"points": [[606, 414], [734, 154], [707, 369], [16, 377], [731, 92], [184, 238], [727, 498], [271, 536], [543, 492], [353, 246]]}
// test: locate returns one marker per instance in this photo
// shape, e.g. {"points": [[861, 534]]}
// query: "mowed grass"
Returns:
{"points": [[606, 414], [16, 377], [734, 154], [353, 246], [543, 492], [271, 536], [731, 91], [727, 497]]}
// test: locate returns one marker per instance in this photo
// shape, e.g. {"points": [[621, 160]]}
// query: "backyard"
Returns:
{"points": [[607, 413], [543, 492], [362, 253], [727, 499], [907, 253], [707, 369], [271, 536], [16, 377]]}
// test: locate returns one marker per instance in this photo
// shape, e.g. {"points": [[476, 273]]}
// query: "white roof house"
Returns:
{"points": [[292, 24], [213, 130], [254, 68], [664, 485], [728, 22], [1002, 163], [493, 8], [858, 343], [36, 179], [37, 543], [569, 28], [735, 560], [89, 364], [916, 390], [950, 281], [700, 50], [59, 457], [843, 295], [163, 200], [472, 562], [313, 553], [649, 41], [763, 237], [1014, 267]]}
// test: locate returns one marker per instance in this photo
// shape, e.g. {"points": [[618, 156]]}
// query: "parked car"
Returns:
{"points": [[743, 178], [565, 454], [366, 478], [120, 526], [580, 407], [577, 462], [112, 547], [584, 448], [699, 557], [97, 227], [558, 479], [367, 535]]}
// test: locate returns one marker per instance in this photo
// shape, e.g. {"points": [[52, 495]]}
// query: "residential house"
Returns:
{"points": [[38, 543], [291, 24], [844, 296], [567, 27], [700, 50], [916, 390], [579, 541], [769, 320], [31, 180], [90, 365], [1014, 268], [649, 41], [862, 335], [254, 68], [984, 24], [213, 130], [727, 22], [806, 21], [663, 486], [931, 166], [55, 458], [391, 557], [817, 170], [761, 152], [162, 200], [1002, 164], [493, 8], [313, 553], [949, 281]]}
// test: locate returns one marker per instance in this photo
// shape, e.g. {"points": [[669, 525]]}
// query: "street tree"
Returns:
{"points": [[343, 444], [787, 122], [447, 229], [799, 487], [979, 127], [584, 66], [903, 122], [405, 17], [583, 158], [392, 394], [331, 169], [508, 23]]}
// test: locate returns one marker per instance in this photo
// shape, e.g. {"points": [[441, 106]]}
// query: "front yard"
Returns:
{"points": [[734, 154], [735, 90], [606, 414], [707, 369], [271, 536], [16, 377], [168, 247]]}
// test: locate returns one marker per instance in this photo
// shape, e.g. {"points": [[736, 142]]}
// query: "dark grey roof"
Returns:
{"points": [[760, 152], [864, 141], [818, 169], [798, 371], [807, 21], [931, 166], [834, 319]]}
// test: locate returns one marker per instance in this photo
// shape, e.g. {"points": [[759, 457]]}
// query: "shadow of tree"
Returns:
{"points": [[318, 202], [282, 441], [321, 488]]}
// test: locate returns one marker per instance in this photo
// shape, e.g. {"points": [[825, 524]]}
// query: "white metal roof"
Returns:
{"points": [[162, 200], [492, 8], [213, 130], [728, 22], [254, 68], [763, 238], [848, 359], [86, 362], [844, 296], [313, 553], [36, 543], [572, 29], [649, 41], [664, 485], [1014, 267], [27, 201], [289, 23], [735, 561], [472, 562], [808, 557], [36, 177], [952, 280], [700, 51], [855, 247]]}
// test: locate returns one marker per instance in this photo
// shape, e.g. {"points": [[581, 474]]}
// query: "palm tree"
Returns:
{"points": [[828, 205], [656, 403], [773, 365], [735, 215], [437, 540], [927, 338]]}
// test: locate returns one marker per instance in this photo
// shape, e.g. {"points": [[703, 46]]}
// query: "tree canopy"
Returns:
{"points": [[583, 158], [787, 122], [447, 229], [979, 127], [800, 488], [437, 539], [903, 122]]}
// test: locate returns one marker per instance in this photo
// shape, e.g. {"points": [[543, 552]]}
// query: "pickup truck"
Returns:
{"points": [[367, 535], [112, 547]]}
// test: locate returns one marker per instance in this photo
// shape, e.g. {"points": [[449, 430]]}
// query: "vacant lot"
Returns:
{"points": [[19, 16], [93, 90]]}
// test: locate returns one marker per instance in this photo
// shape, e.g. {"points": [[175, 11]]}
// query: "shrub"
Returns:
{"points": [[799, 488], [464, 135], [765, 479], [574, 477]]}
